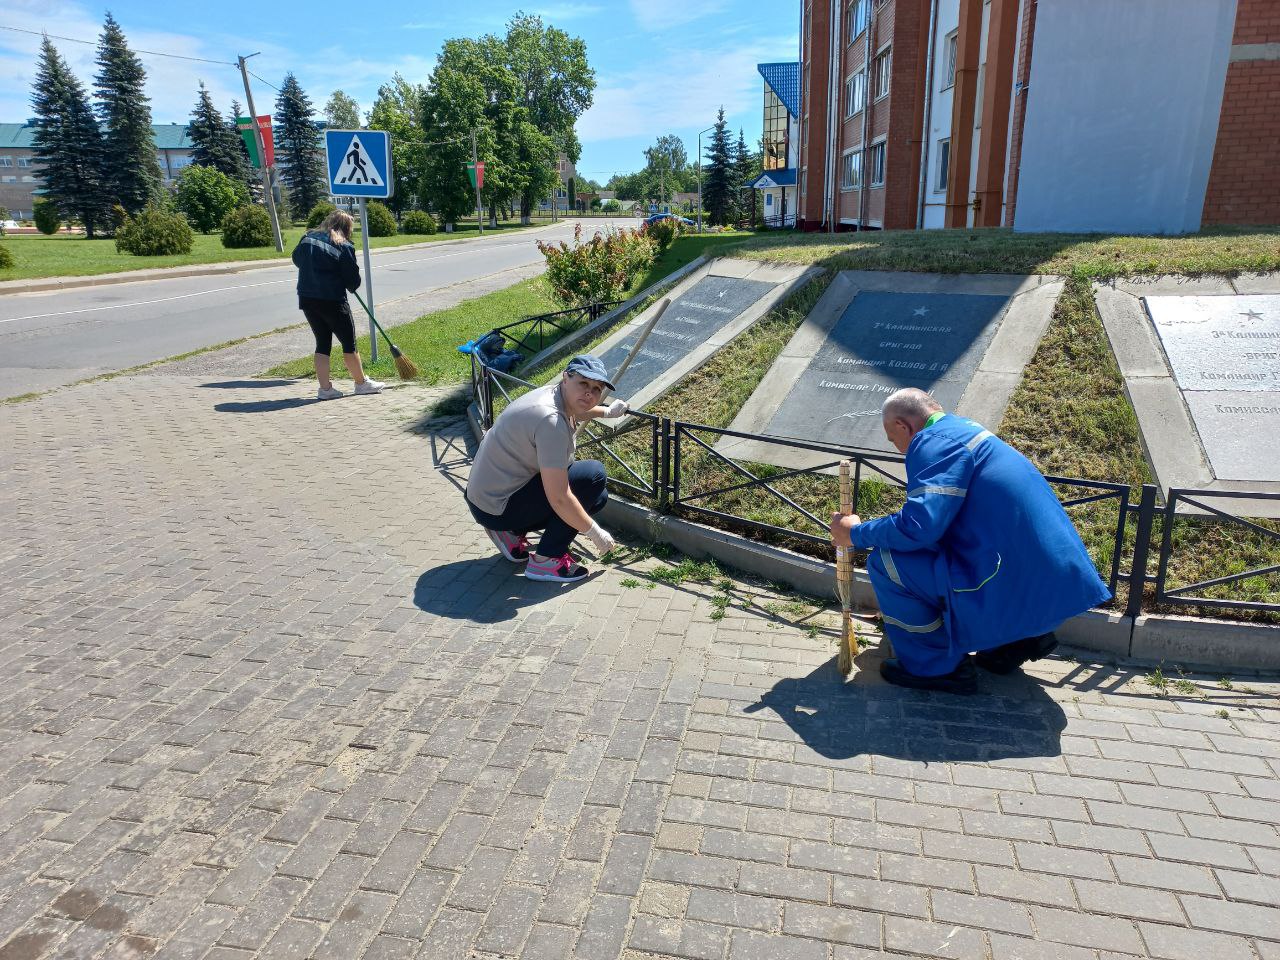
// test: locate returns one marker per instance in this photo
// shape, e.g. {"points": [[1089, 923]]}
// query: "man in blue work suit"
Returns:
{"points": [[981, 558]]}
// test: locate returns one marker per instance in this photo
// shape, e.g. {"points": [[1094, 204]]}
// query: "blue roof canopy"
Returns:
{"points": [[784, 80], [773, 178]]}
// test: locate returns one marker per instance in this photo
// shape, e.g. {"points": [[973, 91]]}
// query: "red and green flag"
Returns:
{"points": [[245, 126], [475, 173]]}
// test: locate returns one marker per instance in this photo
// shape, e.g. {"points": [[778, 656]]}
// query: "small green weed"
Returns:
{"points": [[1225, 683], [1158, 681], [1223, 714], [1185, 687], [630, 583]]}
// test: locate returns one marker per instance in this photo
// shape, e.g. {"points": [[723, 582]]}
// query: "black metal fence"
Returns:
{"points": [[650, 457]]}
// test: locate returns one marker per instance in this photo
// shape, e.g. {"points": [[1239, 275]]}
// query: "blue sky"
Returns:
{"points": [[662, 66]]}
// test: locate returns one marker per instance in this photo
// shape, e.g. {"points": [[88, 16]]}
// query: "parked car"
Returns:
{"points": [[662, 216]]}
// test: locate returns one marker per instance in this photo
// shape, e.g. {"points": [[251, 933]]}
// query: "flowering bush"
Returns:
{"points": [[598, 270], [663, 232]]}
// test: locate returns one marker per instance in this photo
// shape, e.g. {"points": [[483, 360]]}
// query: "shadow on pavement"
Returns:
{"points": [[246, 384], [839, 719], [264, 406], [486, 590]]}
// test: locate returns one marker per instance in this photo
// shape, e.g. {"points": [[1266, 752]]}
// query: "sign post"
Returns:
{"points": [[475, 170], [359, 165]]}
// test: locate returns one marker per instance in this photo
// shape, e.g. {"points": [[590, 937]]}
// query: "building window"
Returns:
{"points": [[851, 170], [880, 73], [776, 123], [876, 160], [768, 199], [28, 179], [944, 164], [949, 49], [859, 16], [8, 179], [6, 161], [855, 93], [24, 161]]}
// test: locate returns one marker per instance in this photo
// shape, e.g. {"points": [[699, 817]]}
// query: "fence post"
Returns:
{"points": [[1141, 548], [664, 467]]}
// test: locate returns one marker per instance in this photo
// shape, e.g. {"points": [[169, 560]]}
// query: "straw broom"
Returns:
{"points": [[407, 369], [844, 581]]}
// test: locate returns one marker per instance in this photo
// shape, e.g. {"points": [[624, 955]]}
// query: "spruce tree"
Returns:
{"points": [[215, 143], [297, 147], [717, 193], [132, 171], [67, 142], [744, 171]]}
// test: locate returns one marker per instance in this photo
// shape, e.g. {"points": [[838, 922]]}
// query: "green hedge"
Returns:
{"points": [[155, 233], [247, 227]]}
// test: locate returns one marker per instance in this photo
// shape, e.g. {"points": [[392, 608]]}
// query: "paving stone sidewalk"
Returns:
{"points": [[265, 690]]}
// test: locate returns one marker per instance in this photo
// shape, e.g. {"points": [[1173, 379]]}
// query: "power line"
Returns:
{"points": [[94, 43]]}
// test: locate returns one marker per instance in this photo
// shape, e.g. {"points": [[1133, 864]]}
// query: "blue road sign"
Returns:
{"points": [[359, 163]]}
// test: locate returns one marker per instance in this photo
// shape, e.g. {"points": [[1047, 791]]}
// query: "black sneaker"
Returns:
{"points": [[963, 679], [1009, 657]]}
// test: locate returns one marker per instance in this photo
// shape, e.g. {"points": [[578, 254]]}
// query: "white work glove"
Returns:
{"points": [[600, 538], [617, 408]]}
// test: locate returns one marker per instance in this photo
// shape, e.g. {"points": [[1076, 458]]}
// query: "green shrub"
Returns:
{"points": [[596, 271], [611, 206], [663, 232], [118, 216], [46, 215], [205, 196], [419, 221], [6, 259], [247, 226], [381, 221], [318, 213], [155, 233]]}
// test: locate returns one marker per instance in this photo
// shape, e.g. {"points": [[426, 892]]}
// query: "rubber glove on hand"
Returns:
{"points": [[600, 538], [617, 408]]}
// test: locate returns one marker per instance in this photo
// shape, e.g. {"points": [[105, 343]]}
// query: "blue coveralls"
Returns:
{"points": [[981, 554]]}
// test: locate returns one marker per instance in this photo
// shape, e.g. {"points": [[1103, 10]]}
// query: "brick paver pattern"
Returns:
{"points": [[266, 690]]}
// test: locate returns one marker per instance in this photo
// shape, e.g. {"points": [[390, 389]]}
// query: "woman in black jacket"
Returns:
{"points": [[327, 269]]}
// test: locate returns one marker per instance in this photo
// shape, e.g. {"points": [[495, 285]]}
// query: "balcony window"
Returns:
{"points": [[944, 165], [949, 50], [851, 170], [855, 93], [876, 160], [880, 72]]}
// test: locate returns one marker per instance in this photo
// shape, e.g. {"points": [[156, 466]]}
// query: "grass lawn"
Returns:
{"points": [[73, 256], [432, 341], [1069, 415], [1090, 256]]}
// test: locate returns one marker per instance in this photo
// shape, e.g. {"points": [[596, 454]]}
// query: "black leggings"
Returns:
{"points": [[329, 319]]}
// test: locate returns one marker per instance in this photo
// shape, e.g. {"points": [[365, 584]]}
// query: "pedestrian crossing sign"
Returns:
{"points": [[359, 163]]}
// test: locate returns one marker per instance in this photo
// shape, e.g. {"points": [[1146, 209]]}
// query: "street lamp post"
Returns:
{"points": [[700, 133]]}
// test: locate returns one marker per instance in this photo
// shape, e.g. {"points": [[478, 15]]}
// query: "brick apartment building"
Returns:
{"points": [[1085, 115]]}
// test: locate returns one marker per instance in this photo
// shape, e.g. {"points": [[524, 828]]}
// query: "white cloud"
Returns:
{"points": [[655, 16], [681, 91], [555, 12]]}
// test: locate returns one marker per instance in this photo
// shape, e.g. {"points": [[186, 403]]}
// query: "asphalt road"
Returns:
{"points": [[53, 338]]}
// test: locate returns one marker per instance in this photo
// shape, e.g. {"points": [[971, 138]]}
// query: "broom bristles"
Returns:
{"points": [[407, 369]]}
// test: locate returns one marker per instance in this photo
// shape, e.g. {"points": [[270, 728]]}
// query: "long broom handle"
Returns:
{"points": [[374, 320], [844, 576], [644, 335]]}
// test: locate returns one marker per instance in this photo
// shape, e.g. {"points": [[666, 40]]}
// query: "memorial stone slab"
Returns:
{"points": [[689, 322], [882, 342], [1224, 352]]}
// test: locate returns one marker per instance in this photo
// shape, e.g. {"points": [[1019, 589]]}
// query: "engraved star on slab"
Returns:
{"points": [[1252, 314], [920, 312]]}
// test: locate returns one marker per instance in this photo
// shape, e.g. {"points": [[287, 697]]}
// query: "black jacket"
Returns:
{"points": [[326, 270]]}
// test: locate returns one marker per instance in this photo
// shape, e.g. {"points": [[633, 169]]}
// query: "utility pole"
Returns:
{"points": [[475, 178], [262, 156]]}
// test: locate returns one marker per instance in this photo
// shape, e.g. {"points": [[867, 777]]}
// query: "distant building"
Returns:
{"points": [[1087, 115], [776, 183], [20, 171]]}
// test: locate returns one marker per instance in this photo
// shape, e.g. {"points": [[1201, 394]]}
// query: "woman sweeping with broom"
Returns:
{"points": [[327, 269]]}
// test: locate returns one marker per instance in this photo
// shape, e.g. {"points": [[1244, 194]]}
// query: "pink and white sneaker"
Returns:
{"points": [[556, 569], [512, 546]]}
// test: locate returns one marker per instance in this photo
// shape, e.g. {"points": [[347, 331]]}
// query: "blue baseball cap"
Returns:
{"points": [[588, 366]]}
